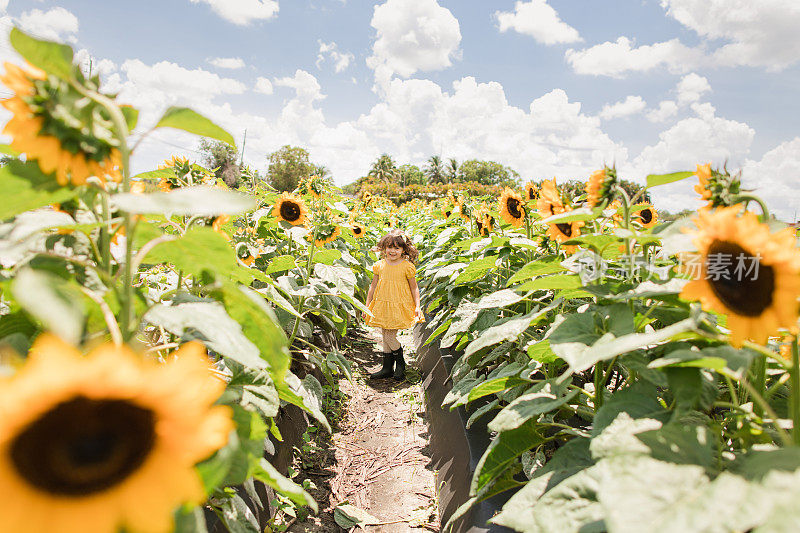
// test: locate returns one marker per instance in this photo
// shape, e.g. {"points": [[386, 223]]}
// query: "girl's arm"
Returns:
{"points": [[412, 284], [371, 291]]}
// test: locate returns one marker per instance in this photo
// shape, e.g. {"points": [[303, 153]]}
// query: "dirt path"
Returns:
{"points": [[377, 457]]}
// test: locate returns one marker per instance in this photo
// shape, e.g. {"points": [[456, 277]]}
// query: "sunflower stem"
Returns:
{"points": [[626, 223], [121, 125], [599, 385], [759, 380], [748, 198], [306, 276], [795, 401], [105, 236]]}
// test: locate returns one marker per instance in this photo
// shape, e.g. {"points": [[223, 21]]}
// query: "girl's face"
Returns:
{"points": [[394, 252]]}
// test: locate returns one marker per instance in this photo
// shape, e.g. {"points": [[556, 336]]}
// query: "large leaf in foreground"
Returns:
{"points": [[570, 506], [201, 200], [259, 324], [25, 187], [198, 250], [209, 323], [49, 56], [186, 119], [509, 330], [52, 301], [502, 452]]}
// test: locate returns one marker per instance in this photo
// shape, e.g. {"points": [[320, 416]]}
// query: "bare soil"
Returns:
{"points": [[377, 458]]}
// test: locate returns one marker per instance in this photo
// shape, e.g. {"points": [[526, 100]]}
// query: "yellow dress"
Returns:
{"points": [[392, 303]]}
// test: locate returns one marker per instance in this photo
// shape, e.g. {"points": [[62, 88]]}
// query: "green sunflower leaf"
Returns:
{"points": [[654, 180], [201, 200], [25, 187], [49, 56], [186, 119]]}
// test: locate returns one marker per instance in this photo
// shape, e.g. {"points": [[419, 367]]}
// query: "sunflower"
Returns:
{"points": [[484, 224], [745, 272], [291, 209], [510, 207], [358, 230], [325, 239], [447, 210], [461, 210], [312, 185], [66, 133], [703, 174], [719, 189], [600, 186], [105, 441], [564, 231], [531, 191], [549, 202], [647, 216], [174, 162]]}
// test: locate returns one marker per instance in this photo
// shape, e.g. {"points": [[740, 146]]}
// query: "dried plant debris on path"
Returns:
{"points": [[375, 475]]}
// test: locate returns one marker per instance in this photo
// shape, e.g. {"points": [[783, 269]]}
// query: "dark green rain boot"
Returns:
{"points": [[400, 368], [386, 370]]}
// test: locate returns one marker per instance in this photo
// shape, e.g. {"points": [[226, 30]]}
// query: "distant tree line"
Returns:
{"points": [[289, 164]]}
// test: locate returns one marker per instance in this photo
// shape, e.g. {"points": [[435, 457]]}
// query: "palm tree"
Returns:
{"points": [[452, 170], [435, 170], [384, 169]]}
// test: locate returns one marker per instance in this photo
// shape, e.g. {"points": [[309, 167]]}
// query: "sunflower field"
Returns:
{"points": [[634, 376], [154, 326]]}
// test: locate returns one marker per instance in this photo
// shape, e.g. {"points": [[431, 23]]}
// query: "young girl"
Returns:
{"points": [[393, 299]]}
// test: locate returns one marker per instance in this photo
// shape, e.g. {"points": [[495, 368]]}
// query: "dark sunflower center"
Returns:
{"points": [[565, 228], [290, 211], [513, 207], [646, 215], [739, 279], [447, 213], [84, 446], [531, 194], [357, 230]]}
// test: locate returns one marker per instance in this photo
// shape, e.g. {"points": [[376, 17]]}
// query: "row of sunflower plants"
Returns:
{"points": [[153, 326], [635, 376]]}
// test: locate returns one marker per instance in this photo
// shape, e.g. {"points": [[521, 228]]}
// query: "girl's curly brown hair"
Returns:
{"points": [[399, 239]]}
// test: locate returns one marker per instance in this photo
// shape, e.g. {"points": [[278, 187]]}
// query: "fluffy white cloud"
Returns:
{"points": [[624, 108], [417, 118], [306, 86], [701, 139], [152, 88], [412, 35], [755, 34], [232, 63], [3, 5], [776, 178], [341, 60], [759, 34], [691, 88], [665, 111], [56, 24], [263, 86], [242, 12], [539, 20], [617, 58]]}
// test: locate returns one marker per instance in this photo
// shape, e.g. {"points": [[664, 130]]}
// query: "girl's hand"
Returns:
{"points": [[419, 315]]}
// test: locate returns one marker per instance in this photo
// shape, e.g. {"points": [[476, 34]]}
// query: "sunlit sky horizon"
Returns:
{"points": [[547, 87]]}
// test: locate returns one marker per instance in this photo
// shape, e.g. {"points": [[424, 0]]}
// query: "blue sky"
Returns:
{"points": [[548, 87]]}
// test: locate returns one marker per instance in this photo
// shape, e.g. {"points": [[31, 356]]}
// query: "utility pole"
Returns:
{"points": [[241, 158]]}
